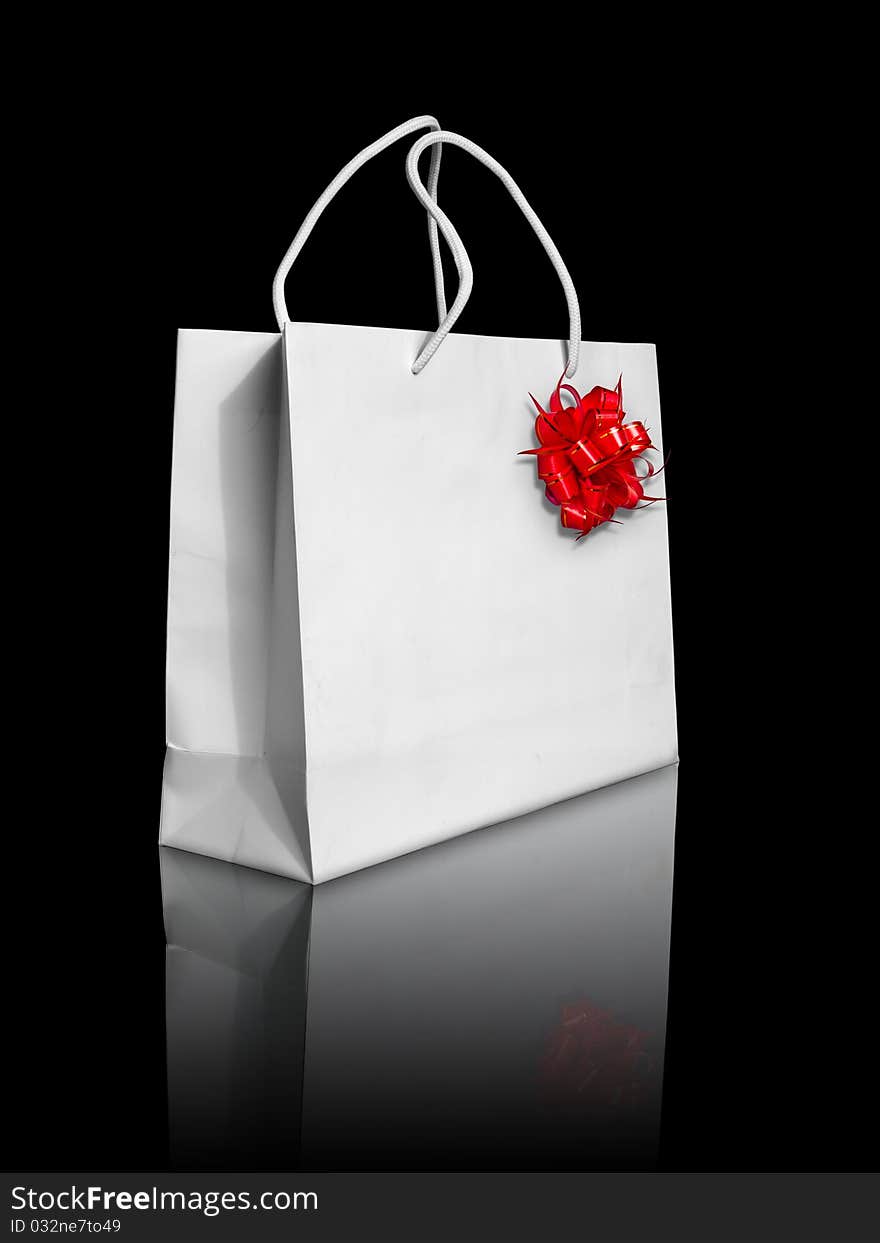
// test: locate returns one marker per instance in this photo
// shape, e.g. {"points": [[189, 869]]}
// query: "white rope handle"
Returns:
{"points": [[462, 262], [408, 127]]}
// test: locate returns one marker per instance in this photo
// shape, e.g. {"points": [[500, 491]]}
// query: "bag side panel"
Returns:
{"points": [[226, 420], [285, 724], [229, 807]]}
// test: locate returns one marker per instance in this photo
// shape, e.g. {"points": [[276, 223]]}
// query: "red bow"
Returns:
{"points": [[587, 456]]}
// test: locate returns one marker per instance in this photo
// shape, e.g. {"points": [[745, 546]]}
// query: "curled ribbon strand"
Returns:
{"points": [[587, 456]]}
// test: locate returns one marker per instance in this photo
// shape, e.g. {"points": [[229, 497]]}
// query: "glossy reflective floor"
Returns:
{"points": [[497, 1002]]}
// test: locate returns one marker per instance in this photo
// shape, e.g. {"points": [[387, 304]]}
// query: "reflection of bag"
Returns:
{"points": [[367, 587], [440, 1011]]}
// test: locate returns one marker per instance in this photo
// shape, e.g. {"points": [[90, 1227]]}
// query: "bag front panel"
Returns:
{"points": [[464, 659]]}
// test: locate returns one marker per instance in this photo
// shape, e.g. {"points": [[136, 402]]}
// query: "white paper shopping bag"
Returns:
{"points": [[370, 587]]}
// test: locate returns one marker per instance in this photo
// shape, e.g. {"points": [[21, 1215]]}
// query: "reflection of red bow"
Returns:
{"points": [[594, 1062], [587, 456]]}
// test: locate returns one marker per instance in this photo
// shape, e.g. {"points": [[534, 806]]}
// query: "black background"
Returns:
{"points": [[177, 206]]}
